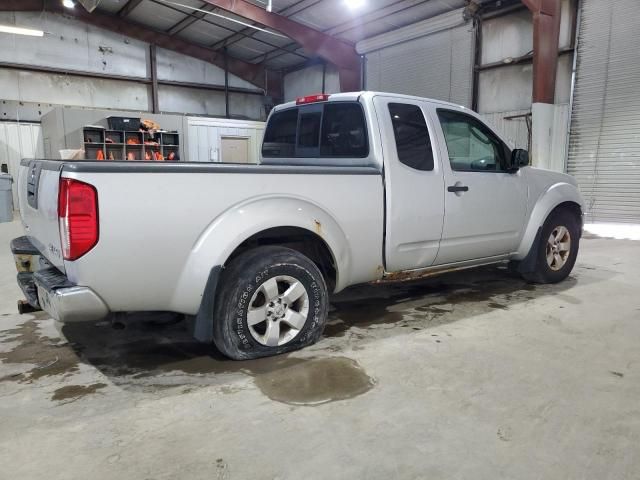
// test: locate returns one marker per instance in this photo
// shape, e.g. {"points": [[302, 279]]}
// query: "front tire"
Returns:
{"points": [[557, 248], [272, 300]]}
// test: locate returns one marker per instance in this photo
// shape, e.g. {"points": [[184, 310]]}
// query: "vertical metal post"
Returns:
{"points": [[154, 79], [226, 84], [324, 75], [477, 61], [546, 33]]}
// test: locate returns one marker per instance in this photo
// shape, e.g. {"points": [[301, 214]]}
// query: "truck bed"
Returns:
{"points": [[163, 226]]}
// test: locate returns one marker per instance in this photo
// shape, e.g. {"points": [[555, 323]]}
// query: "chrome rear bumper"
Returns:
{"points": [[50, 290]]}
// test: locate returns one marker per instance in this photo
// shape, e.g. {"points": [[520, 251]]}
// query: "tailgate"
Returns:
{"points": [[38, 182]]}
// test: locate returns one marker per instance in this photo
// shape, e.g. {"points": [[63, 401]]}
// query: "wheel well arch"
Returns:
{"points": [[304, 241], [569, 206]]}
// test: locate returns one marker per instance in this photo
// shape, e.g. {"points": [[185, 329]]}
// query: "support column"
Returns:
{"points": [[545, 116], [155, 108]]}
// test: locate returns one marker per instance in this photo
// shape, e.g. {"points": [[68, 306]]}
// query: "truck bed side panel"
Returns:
{"points": [[151, 225]]}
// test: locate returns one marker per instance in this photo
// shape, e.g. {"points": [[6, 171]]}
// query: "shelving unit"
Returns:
{"points": [[129, 145]]}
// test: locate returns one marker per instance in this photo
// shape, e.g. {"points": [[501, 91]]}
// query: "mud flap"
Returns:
{"points": [[203, 329], [528, 263]]}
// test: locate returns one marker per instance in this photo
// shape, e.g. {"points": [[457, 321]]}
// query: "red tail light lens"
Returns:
{"points": [[78, 217]]}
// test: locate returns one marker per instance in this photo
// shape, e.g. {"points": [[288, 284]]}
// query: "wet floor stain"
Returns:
{"points": [[75, 392], [150, 358], [426, 302], [316, 381], [45, 356]]}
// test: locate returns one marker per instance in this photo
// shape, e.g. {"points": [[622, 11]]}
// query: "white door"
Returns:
{"points": [[485, 205], [234, 150], [415, 199]]}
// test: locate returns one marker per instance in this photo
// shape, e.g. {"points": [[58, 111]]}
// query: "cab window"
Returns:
{"points": [[322, 130], [413, 143], [472, 146]]}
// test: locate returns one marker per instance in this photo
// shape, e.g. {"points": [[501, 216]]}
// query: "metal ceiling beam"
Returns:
{"points": [[250, 72], [287, 12], [546, 35], [194, 16], [341, 54], [391, 9], [129, 7], [189, 20]]}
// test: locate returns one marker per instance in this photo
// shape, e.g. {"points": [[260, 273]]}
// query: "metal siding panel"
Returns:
{"points": [[435, 66], [604, 145], [18, 141]]}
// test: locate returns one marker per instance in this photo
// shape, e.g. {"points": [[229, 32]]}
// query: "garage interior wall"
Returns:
{"points": [[18, 141], [310, 80], [505, 77], [604, 146], [433, 59], [72, 45]]}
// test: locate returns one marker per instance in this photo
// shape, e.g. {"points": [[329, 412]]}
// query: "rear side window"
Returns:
{"points": [[343, 131], [412, 136], [326, 130], [280, 137]]}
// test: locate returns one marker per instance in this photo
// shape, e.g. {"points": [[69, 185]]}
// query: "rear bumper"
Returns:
{"points": [[50, 290]]}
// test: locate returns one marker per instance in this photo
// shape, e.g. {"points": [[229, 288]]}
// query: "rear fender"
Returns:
{"points": [[550, 199], [240, 222]]}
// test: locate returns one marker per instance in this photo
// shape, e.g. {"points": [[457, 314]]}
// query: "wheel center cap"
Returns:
{"points": [[279, 310]]}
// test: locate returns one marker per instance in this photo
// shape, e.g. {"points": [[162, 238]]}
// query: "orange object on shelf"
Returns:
{"points": [[147, 155], [99, 155], [131, 157], [110, 156], [158, 157], [133, 141]]}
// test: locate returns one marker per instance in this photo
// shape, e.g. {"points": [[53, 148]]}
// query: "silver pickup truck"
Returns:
{"points": [[351, 188]]}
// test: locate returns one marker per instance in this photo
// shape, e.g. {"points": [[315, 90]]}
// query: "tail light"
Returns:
{"points": [[78, 217], [318, 97]]}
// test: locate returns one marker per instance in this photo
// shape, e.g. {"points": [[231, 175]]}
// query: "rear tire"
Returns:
{"points": [[557, 248], [271, 300]]}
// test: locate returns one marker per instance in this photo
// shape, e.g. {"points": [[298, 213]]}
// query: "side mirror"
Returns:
{"points": [[519, 158]]}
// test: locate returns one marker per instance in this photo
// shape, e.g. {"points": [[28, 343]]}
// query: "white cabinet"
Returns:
{"points": [[222, 140]]}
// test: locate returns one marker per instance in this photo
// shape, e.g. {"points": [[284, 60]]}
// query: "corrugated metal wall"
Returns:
{"points": [[512, 125], [435, 61], [18, 141], [75, 46], [604, 145]]}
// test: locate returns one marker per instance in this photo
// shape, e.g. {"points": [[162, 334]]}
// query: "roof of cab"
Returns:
{"points": [[355, 96]]}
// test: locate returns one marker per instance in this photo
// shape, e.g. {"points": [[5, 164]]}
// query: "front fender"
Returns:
{"points": [[552, 197], [238, 223]]}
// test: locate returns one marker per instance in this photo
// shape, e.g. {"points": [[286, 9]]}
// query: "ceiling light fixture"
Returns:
{"points": [[68, 3], [21, 31], [269, 6], [353, 4]]}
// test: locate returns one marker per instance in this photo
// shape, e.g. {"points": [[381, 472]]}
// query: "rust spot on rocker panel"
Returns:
{"points": [[408, 275]]}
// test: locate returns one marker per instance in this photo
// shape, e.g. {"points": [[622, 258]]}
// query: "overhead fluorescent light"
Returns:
{"points": [[21, 31], [68, 3], [207, 12], [353, 4]]}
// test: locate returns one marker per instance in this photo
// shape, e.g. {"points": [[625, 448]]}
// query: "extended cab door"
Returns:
{"points": [[414, 184], [485, 205]]}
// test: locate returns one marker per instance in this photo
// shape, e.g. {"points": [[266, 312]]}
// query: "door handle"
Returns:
{"points": [[458, 188]]}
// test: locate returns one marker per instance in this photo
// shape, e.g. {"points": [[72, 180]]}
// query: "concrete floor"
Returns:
{"points": [[472, 375]]}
